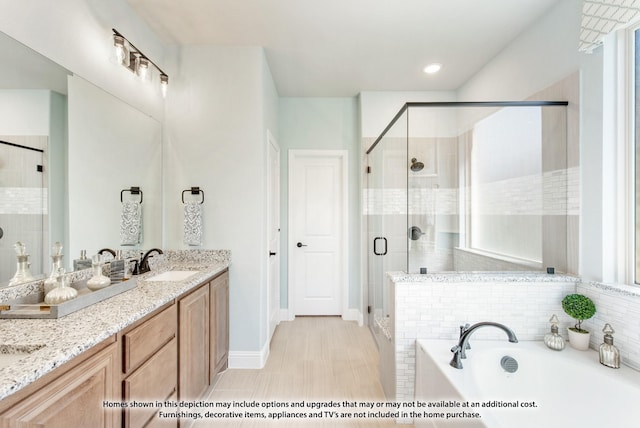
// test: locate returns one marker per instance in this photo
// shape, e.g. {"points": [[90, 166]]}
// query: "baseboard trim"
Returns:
{"points": [[249, 359], [349, 315], [353, 315], [285, 315]]}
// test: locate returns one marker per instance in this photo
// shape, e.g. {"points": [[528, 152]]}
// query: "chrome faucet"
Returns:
{"points": [[142, 266], [465, 334]]}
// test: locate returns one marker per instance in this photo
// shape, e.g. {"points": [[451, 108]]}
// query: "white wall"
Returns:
{"points": [[377, 109], [220, 103], [543, 54], [24, 112], [322, 123]]}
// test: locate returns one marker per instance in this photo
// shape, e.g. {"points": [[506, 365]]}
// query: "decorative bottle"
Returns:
{"points": [[98, 280], [609, 354], [23, 274], [553, 340], [61, 292], [56, 263]]}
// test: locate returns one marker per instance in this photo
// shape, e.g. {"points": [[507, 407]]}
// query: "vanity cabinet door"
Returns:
{"points": [[74, 399], [219, 324], [154, 381], [194, 353]]}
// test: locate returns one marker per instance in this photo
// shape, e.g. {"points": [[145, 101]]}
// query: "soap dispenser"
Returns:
{"points": [[553, 340], [117, 268], [609, 354], [83, 262]]}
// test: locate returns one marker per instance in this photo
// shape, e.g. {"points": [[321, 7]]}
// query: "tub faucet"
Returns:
{"points": [[463, 342]]}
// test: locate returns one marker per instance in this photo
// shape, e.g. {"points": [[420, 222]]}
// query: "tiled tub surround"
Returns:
{"points": [[433, 306], [618, 305], [69, 336]]}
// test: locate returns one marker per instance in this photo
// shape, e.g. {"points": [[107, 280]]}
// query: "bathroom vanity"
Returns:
{"points": [[165, 340]]}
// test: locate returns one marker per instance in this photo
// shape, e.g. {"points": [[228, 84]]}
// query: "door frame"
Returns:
{"points": [[343, 156], [271, 141]]}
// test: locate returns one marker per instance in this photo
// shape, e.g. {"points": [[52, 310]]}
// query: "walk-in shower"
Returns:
{"points": [[472, 186]]}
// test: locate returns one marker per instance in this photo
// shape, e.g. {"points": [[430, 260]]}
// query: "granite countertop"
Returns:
{"points": [[57, 341], [502, 276]]}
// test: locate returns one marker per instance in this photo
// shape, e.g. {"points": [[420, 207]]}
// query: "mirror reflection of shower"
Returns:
{"points": [[415, 165]]}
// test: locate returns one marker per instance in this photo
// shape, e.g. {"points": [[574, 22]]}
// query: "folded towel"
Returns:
{"points": [[131, 223], [193, 223]]}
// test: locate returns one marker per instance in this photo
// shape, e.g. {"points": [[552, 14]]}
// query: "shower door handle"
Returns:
{"points": [[375, 240]]}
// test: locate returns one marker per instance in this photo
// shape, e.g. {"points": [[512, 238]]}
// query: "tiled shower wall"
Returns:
{"points": [[23, 203], [435, 310]]}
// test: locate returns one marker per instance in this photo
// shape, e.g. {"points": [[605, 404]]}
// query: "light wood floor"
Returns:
{"points": [[311, 358]]}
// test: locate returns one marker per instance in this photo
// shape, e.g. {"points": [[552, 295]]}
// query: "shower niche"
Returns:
{"points": [[472, 186]]}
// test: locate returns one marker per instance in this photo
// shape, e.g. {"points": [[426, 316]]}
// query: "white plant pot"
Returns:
{"points": [[579, 341]]}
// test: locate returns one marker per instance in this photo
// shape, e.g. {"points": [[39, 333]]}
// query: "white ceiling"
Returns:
{"points": [[343, 47]]}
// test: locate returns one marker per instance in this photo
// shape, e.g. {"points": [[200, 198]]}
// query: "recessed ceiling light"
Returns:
{"points": [[432, 68]]}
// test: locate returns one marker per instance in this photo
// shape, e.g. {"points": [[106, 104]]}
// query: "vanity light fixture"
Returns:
{"points": [[432, 68], [136, 61]]}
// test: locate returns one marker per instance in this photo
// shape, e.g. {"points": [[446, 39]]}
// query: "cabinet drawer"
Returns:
{"points": [[155, 380], [158, 422], [143, 341]]}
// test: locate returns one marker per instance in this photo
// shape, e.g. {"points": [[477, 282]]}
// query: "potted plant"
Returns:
{"points": [[580, 308]]}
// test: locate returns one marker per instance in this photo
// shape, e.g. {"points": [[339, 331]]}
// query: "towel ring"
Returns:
{"points": [[133, 190], [194, 191]]}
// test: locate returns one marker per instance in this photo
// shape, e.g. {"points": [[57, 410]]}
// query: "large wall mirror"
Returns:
{"points": [[68, 149]]}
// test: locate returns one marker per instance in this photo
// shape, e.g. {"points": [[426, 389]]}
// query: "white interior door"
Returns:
{"points": [[273, 230], [317, 231]]}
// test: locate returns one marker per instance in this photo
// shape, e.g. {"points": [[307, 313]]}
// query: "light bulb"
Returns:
{"points": [[143, 68], [164, 84], [121, 50]]}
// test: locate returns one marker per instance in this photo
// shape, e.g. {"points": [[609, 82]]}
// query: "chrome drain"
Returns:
{"points": [[509, 364]]}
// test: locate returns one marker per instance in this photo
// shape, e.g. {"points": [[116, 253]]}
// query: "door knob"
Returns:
{"points": [[300, 245], [271, 253]]}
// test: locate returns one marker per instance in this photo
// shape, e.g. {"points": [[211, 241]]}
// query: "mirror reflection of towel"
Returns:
{"points": [[193, 223], [131, 223]]}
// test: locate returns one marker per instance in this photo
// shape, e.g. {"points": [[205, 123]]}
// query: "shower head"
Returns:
{"points": [[415, 165]]}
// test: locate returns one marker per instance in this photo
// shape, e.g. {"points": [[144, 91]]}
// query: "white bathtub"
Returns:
{"points": [[569, 388]]}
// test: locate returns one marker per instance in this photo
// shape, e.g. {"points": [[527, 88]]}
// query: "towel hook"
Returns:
{"points": [[134, 190], [194, 191]]}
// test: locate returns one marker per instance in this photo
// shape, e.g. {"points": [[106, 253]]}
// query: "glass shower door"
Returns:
{"points": [[386, 221]]}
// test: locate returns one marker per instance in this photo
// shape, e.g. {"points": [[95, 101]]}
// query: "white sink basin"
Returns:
{"points": [[172, 275]]}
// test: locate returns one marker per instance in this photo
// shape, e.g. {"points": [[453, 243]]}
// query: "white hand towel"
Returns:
{"points": [[131, 223], [193, 223]]}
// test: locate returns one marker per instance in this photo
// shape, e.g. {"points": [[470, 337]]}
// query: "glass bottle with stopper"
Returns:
{"points": [[56, 264], [61, 292], [98, 280], [609, 354], [553, 340], [23, 274]]}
